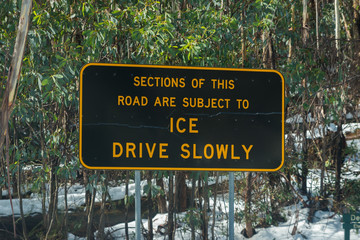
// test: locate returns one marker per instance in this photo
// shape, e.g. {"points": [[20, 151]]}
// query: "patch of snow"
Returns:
{"points": [[299, 119], [350, 127]]}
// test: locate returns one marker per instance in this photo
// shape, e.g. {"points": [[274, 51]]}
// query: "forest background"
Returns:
{"points": [[315, 44]]}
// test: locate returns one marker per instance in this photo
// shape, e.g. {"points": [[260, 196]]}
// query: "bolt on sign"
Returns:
{"points": [[150, 117]]}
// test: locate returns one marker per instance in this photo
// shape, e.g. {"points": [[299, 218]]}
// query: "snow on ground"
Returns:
{"points": [[297, 118], [350, 171], [326, 225], [76, 197], [30, 206]]}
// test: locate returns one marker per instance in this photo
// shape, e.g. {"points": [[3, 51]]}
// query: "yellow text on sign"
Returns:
{"points": [[132, 101], [224, 151], [180, 122], [132, 150]]}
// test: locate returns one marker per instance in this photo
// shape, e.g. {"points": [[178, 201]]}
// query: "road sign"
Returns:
{"points": [[351, 221], [181, 118]]}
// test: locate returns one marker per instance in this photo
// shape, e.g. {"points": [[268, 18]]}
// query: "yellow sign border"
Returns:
{"points": [[183, 67]]}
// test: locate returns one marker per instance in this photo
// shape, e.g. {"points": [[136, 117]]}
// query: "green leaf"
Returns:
{"points": [[147, 189], [39, 83], [58, 76], [44, 82]]}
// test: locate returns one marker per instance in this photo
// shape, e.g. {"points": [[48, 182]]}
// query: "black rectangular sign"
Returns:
{"points": [[181, 118]]}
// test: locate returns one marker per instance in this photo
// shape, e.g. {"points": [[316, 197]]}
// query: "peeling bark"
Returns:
{"points": [[12, 83]]}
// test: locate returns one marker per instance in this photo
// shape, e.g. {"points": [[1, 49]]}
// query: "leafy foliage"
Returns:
{"points": [[67, 34]]}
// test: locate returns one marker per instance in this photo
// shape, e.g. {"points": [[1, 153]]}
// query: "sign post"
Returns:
{"points": [[231, 205], [137, 205]]}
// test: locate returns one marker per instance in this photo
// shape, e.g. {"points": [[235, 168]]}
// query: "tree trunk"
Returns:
{"points": [[320, 113], [43, 200], [53, 210], [9, 95], [200, 192], [180, 192], [268, 50], [304, 112], [274, 210], [265, 51], [221, 8], [161, 201], [337, 27], [305, 27], [304, 168], [355, 83], [53, 195], [23, 222], [317, 24], [101, 233], [65, 224], [177, 191], [87, 191], [323, 161], [347, 29], [43, 183], [90, 218], [272, 54], [339, 157], [356, 17], [243, 46], [292, 28]]}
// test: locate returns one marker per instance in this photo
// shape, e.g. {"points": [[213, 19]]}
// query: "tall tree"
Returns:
{"points": [[304, 113], [337, 26], [10, 93]]}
